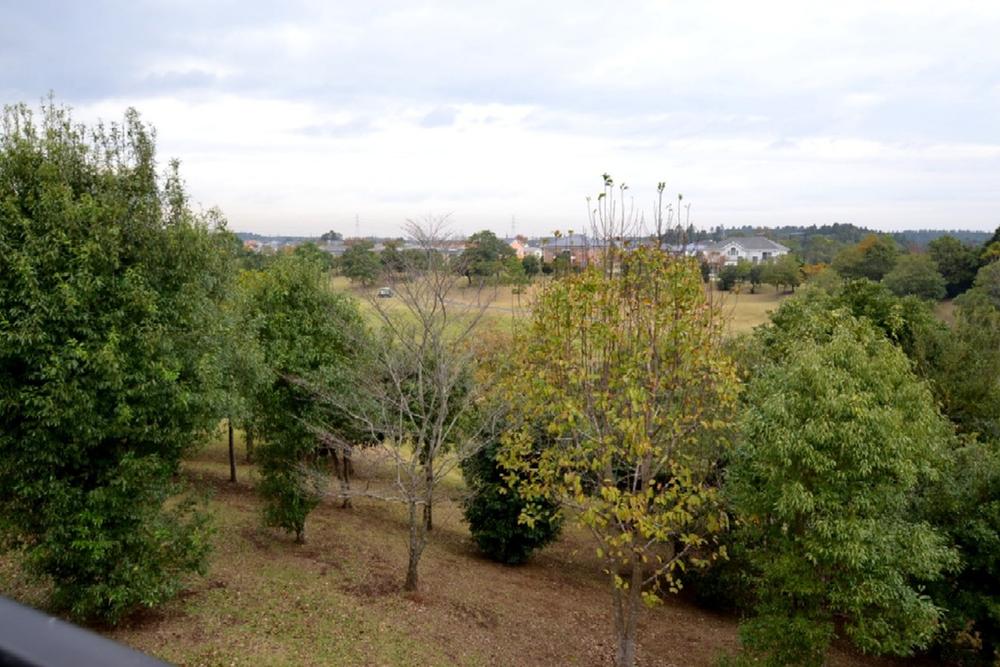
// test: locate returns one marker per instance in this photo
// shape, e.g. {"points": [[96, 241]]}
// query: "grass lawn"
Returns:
{"points": [[743, 311], [336, 600]]}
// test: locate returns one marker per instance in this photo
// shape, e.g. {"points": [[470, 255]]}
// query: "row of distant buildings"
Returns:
{"points": [[582, 250]]}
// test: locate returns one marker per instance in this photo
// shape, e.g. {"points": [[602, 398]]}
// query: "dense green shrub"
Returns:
{"points": [[493, 510], [109, 289], [115, 547]]}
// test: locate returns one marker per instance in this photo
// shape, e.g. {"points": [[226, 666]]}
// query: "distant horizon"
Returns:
{"points": [[579, 227], [348, 237]]}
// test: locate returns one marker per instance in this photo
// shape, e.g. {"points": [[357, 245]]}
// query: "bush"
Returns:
{"points": [[134, 556], [493, 511]]}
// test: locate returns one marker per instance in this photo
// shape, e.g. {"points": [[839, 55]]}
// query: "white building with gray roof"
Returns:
{"points": [[754, 249]]}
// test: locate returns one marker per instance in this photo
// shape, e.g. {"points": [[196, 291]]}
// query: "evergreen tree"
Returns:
{"points": [[109, 293]]}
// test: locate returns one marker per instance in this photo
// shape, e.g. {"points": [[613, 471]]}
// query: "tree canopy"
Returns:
{"points": [[109, 290], [916, 275], [311, 338], [484, 256], [625, 374], [838, 435], [872, 258], [360, 263], [956, 261]]}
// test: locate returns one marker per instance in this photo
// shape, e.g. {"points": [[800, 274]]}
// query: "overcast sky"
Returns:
{"points": [[294, 117]]}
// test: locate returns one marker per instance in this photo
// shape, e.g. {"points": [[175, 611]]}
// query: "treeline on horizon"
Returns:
{"points": [[832, 476], [799, 235]]}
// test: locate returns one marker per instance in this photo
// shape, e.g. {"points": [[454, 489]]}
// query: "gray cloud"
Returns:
{"points": [[731, 92]]}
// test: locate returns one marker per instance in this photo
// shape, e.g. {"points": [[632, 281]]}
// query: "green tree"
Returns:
{"points": [[966, 375], [956, 261], [756, 276], [312, 252], [838, 435], [484, 256], [872, 258], [624, 371], [965, 505], [238, 366], [991, 248], [784, 271], [732, 276], [907, 322], [988, 282], [532, 266], [310, 337], [361, 264], [916, 275], [493, 510], [330, 236], [109, 292], [514, 273], [991, 252], [392, 259], [562, 264]]}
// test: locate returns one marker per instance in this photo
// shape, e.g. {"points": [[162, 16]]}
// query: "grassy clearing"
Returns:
{"points": [[945, 311], [336, 600], [743, 311]]}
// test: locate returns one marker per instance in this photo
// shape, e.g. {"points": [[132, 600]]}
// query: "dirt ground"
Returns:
{"points": [[336, 600]]}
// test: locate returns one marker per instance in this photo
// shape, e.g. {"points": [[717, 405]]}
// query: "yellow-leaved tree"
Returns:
{"points": [[623, 368]]}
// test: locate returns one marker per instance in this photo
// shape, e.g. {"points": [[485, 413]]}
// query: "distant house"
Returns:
{"points": [[519, 244], [690, 249], [523, 247], [579, 248], [754, 249], [335, 248]]}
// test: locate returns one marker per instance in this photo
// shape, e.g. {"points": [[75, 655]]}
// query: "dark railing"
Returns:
{"points": [[29, 638]]}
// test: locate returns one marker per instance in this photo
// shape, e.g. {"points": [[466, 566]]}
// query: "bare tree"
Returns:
{"points": [[613, 222], [420, 395]]}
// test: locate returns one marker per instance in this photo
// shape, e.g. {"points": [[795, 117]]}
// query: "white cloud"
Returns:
{"points": [[299, 117]]}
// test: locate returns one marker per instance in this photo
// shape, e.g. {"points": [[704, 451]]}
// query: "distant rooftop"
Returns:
{"points": [[749, 243], [569, 241]]}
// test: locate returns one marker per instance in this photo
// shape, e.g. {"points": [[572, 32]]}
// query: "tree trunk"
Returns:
{"points": [[417, 541], [344, 473], [429, 493], [626, 616], [232, 453], [248, 432]]}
